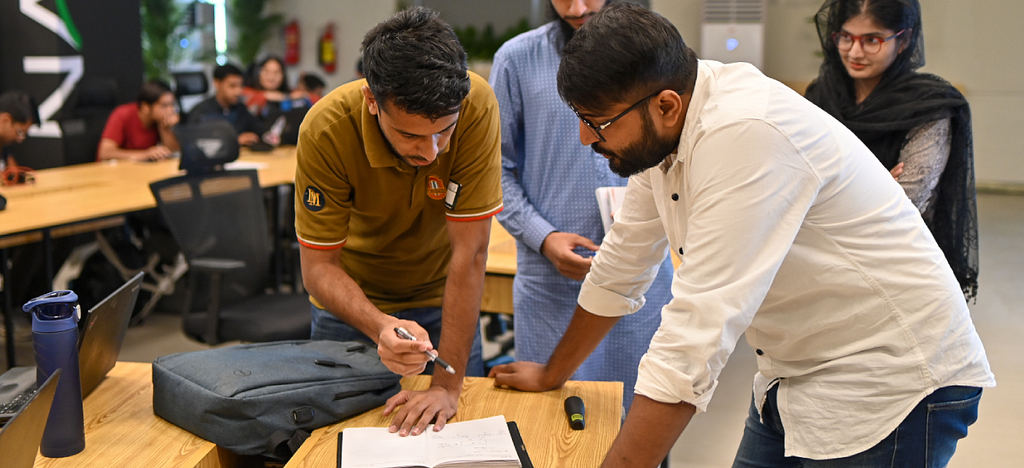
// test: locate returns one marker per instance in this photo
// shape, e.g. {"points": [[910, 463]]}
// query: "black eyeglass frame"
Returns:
{"points": [[597, 128]]}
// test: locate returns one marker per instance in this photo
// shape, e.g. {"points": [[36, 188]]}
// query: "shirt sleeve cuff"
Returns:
{"points": [[663, 383], [600, 301], [536, 230]]}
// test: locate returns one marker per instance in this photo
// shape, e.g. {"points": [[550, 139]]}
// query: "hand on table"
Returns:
{"points": [[521, 375], [897, 171], [155, 153], [419, 408], [248, 138], [558, 248], [404, 357]]}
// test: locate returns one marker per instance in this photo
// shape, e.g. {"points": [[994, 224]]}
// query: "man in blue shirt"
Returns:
{"points": [[227, 80], [549, 183]]}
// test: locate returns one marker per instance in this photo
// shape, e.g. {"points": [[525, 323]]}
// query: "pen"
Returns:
{"points": [[405, 335]]}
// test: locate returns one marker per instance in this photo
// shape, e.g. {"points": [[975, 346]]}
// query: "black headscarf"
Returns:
{"points": [[903, 100]]}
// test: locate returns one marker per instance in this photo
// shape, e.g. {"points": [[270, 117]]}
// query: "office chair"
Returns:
{"points": [[187, 84], [82, 127], [219, 221]]}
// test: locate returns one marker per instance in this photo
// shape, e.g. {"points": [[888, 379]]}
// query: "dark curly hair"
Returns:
{"points": [[414, 61]]}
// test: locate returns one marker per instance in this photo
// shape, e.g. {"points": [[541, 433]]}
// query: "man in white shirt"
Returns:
{"points": [[788, 230]]}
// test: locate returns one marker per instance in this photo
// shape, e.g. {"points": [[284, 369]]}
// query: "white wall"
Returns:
{"points": [[351, 18], [970, 43]]}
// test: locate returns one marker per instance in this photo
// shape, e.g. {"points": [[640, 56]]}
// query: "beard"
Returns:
{"points": [[641, 155]]}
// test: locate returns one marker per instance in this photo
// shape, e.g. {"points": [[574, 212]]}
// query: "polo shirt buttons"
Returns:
{"points": [[675, 197], [680, 251], [759, 352]]}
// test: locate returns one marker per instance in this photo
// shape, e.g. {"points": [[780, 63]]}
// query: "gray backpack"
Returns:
{"points": [[265, 399]]}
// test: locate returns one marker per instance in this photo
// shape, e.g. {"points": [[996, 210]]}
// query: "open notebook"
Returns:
{"points": [[482, 442]]}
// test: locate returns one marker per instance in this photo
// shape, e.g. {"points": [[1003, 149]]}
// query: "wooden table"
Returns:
{"points": [[64, 196], [121, 429], [540, 417]]}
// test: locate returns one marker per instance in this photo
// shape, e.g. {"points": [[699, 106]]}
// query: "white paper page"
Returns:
{"points": [[375, 447], [609, 201], [478, 440]]}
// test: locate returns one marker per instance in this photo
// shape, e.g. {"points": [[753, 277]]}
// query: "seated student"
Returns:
{"points": [[141, 130], [17, 113], [310, 87], [227, 81], [269, 89]]}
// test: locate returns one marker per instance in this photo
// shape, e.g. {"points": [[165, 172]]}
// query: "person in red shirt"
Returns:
{"points": [[141, 130]]}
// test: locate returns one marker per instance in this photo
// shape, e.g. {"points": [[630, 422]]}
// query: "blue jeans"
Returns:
{"points": [[328, 327], [925, 439]]}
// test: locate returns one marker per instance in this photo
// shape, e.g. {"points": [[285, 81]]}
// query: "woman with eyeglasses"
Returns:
{"points": [[916, 124]]}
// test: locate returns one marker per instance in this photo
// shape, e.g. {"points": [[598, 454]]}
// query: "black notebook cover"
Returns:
{"points": [[513, 429]]}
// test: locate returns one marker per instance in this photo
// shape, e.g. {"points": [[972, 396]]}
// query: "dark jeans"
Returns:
{"points": [[327, 327], [925, 439]]}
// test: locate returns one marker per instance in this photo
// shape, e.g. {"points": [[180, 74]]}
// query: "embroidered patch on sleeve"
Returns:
{"points": [[454, 189], [313, 199]]}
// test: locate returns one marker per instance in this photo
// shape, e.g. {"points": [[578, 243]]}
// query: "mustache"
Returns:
{"points": [[602, 150], [588, 15]]}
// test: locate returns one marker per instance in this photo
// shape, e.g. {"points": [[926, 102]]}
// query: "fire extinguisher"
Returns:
{"points": [[291, 43], [328, 59]]}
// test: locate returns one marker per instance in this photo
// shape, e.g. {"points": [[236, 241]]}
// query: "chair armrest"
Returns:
{"points": [[216, 265]]}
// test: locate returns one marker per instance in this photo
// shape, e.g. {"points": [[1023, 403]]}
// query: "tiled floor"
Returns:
{"points": [[712, 438]]}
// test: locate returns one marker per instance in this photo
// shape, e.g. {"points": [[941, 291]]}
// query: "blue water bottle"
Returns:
{"points": [[55, 319]]}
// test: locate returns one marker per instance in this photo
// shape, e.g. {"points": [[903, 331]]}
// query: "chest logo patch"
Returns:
{"points": [[435, 188], [313, 199]]}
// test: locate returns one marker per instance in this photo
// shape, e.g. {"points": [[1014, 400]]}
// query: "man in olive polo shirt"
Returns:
{"points": [[397, 178]]}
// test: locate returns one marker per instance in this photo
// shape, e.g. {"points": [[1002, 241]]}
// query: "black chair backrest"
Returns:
{"points": [[220, 215], [82, 125], [206, 145], [192, 83]]}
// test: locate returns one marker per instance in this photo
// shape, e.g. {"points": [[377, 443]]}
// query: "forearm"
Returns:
{"points": [[336, 291], [585, 332], [460, 314], [650, 430], [109, 150], [168, 139]]}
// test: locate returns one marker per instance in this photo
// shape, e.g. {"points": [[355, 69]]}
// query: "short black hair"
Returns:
{"points": [[20, 106], [414, 61], [151, 92], [311, 81], [623, 53], [226, 70]]}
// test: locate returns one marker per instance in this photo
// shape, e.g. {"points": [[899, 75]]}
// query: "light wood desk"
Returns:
{"points": [[121, 429], [540, 417], [66, 195]]}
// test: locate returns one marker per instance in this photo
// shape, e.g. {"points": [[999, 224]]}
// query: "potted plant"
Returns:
{"points": [[252, 28]]}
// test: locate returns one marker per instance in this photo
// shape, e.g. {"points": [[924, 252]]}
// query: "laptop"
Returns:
{"points": [[21, 436], [102, 335]]}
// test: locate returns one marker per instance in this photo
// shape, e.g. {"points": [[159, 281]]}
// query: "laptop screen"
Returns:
{"points": [[105, 327], [21, 436]]}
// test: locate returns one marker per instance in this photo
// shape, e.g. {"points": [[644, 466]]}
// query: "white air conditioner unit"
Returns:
{"points": [[733, 31]]}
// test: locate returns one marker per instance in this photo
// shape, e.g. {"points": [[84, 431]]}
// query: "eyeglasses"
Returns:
{"points": [[869, 44], [597, 128]]}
